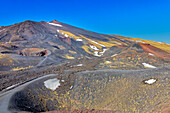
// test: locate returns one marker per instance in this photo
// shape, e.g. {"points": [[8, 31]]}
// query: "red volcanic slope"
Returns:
{"points": [[55, 21], [154, 50]]}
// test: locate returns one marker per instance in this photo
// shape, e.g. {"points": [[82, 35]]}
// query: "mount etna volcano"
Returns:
{"points": [[52, 66]]}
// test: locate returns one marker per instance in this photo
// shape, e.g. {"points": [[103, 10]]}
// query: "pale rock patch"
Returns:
{"points": [[148, 65], [79, 65], [108, 62], [52, 84], [114, 55], [150, 81]]}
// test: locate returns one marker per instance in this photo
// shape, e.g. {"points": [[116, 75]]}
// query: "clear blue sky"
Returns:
{"points": [[147, 19]]}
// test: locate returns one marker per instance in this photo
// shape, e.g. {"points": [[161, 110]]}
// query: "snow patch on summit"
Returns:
{"points": [[55, 24], [99, 54], [97, 43], [79, 40], [94, 47], [151, 54]]}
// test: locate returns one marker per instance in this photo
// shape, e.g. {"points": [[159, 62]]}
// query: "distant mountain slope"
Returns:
{"points": [[31, 44]]}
